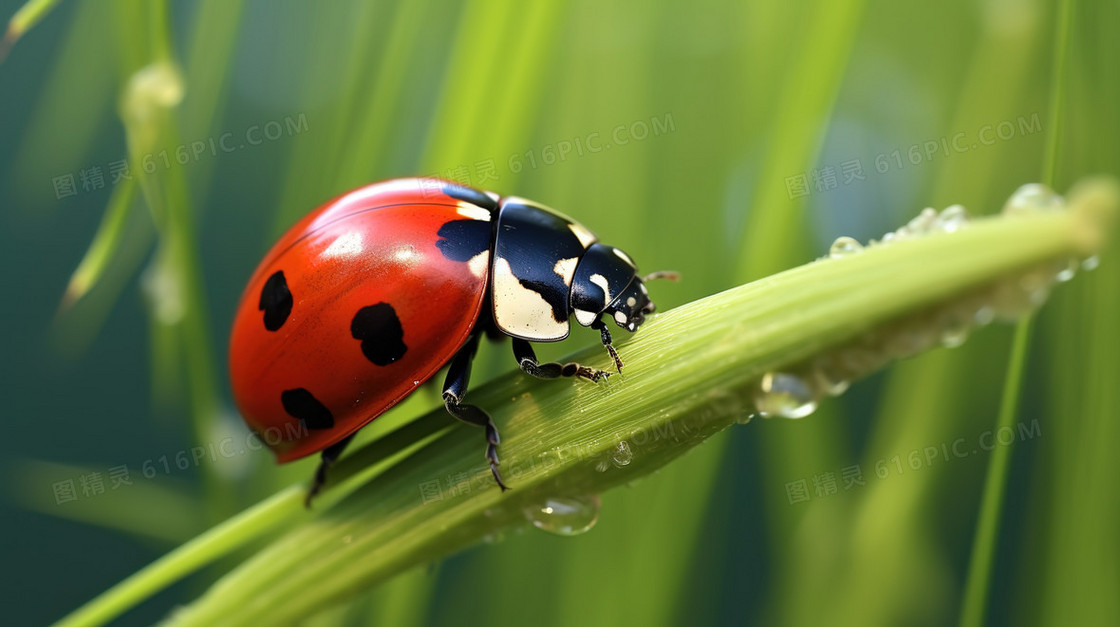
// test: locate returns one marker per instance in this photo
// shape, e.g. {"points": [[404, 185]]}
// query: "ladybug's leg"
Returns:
{"points": [[330, 454], [606, 335], [527, 359], [455, 387]]}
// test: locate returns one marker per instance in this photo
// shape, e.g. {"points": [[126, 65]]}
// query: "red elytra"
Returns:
{"points": [[378, 245]]}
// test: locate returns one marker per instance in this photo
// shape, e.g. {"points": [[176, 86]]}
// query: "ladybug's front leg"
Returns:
{"points": [[527, 360], [455, 388], [606, 335]]}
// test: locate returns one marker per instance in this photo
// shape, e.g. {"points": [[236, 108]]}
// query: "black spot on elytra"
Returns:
{"points": [[381, 333], [276, 301], [460, 240], [467, 194], [302, 404]]}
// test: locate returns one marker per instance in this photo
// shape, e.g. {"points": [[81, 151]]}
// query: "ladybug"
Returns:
{"points": [[370, 295]]}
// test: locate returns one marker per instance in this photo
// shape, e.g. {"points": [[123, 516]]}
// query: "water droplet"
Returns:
{"points": [[1033, 197], [861, 360], [622, 454], [908, 339], [347, 539], [1090, 263], [983, 316], [745, 417], [827, 377], [565, 516], [1036, 285], [1009, 302], [784, 395], [925, 222], [844, 246], [1066, 270], [954, 332], [494, 537], [952, 218]]}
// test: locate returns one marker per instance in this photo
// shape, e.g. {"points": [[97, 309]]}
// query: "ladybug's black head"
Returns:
{"points": [[606, 282], [629, 309]]}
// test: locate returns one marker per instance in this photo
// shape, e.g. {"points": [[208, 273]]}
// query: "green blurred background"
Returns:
{"points": [[726, 140]]}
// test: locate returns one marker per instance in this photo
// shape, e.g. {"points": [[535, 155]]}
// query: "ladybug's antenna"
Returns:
{"points": [[670, 275]]}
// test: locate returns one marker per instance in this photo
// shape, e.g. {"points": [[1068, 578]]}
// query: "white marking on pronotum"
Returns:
{"points": [[601, 281], [520, 311], [586, 318], [586, 238], [623, 256], [467, 210], [566, 268], [620, 317], [631, 301], [345, 245], [479, 263]]}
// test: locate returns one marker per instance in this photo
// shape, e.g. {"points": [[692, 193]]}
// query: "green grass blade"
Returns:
{"points": [[206, 548], [105, 242], [1057, 92], [466, 89], [806, 100], [60, 119], [177, 303], [212, 41], [166, 513], [1078, 575], [985, 538], [248, 526], [24, 20], [312, 170]]}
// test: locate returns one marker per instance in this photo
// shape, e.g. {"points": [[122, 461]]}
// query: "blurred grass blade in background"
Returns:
{"points": [[977, 584], [109, 234], [24, 19]]}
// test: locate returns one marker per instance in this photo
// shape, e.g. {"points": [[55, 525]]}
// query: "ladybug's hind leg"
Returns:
{"points": [[455, 388], [527, 360], [330, 455]]}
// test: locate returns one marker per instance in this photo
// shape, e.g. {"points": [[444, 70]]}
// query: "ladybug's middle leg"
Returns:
{"points": [[455, 388], [527, 360]]}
